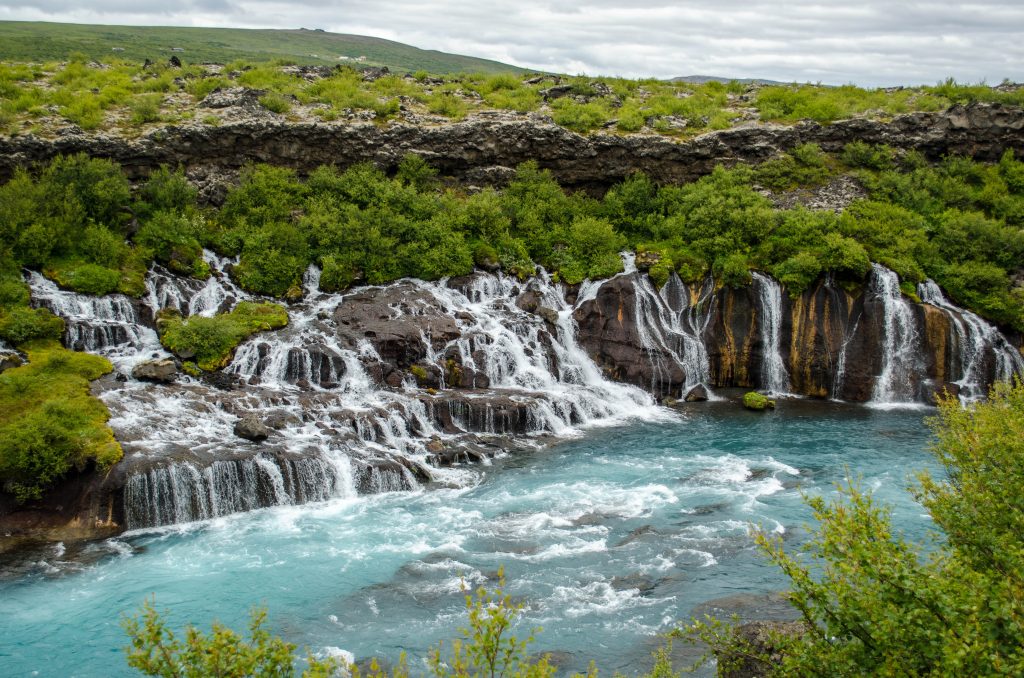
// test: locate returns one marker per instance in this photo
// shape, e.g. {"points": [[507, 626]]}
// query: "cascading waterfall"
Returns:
{"points": [[894, 383], [774, 376], [338, 432], [973, 340], [108, 325], [181, 492], [670, 327]]}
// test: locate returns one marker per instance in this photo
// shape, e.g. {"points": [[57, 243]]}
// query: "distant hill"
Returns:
{"points": [[44, 41], [701, 79]]}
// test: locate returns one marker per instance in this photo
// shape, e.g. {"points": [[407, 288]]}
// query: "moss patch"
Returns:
{"points": [[755, 401], [211, 342], [49, 422]]}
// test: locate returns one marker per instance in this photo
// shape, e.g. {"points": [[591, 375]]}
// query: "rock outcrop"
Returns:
{"points": [[832, 342], [486, 146]]}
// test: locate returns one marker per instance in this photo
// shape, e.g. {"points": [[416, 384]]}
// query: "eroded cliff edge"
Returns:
{"points": [[484, 148]]}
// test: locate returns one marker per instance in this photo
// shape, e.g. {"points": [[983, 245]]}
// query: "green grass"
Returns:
{"points": [[49, 422], [44, 41], [212, 341]]}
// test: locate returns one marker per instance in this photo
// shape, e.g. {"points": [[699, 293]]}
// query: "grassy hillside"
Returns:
{"points": [[39, 41]]}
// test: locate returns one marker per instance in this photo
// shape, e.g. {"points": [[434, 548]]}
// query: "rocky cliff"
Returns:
{"points": [[484, 148], [859, 343]]}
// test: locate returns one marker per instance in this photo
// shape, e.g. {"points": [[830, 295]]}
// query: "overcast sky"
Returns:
{"points": [[868, 42]]}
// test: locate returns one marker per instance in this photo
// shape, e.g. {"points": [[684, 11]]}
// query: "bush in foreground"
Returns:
{"points": [[876, 604]]}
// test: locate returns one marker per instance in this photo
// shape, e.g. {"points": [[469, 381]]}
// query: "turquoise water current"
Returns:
{"points": [[608, 539]]}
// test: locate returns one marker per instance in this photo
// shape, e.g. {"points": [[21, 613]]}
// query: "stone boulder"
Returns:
{"points": [[160, 370], [697, 394], [252, 428]]}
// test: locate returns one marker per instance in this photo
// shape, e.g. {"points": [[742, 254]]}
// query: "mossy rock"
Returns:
{"points": [[212, 341], [755, 401], [49, 421]]}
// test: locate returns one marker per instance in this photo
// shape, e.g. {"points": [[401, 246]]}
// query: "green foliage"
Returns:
{"points": [[273, 259], [174, 240], [804, 166], [579, 117], [487, 648], [276, 103], [20, 324], [863, 155], [211, 342], [156, 650], [733, 270], [49, 422], [877, 604], [145, 108]]}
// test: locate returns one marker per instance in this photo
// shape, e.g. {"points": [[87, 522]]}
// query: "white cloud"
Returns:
{"points": [[872, 42]]}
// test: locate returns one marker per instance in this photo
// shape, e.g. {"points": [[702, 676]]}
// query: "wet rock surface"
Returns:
{"points": [[162, 370]]}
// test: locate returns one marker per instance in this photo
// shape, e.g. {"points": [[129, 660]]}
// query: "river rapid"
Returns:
{"points": [[608, 537]]}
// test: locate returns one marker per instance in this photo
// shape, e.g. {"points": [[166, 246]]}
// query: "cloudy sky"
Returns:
{"points": [[868, 42]]}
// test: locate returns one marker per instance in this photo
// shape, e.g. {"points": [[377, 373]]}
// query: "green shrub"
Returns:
{"points": [[448, 105], [167, 190], [798, 272], [804, 166], [732, 270], [877, 157], [49, 423], [174, 241], [145, 108], [84, 277], [875, 603], [156, 651], [579, 117], [211, 342], [276, 103], [21, 324]]}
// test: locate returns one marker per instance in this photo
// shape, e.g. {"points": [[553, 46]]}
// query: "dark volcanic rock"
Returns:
{"points": [[463, 149], [697, 394], [609, 334], [394, 320]]}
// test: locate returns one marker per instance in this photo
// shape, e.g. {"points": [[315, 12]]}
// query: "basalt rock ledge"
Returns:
{"points": [[484, 148]]}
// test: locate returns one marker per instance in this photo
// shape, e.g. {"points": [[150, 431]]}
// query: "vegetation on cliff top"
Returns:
{"points": [[49, 423], [876, 604], [43, 98]]}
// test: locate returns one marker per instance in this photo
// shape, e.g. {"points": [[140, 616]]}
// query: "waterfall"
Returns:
{"points": [[181, 492], [894, 384], [337, 430], [671, 330], [108, 325], [973, 341], [774, 376]]}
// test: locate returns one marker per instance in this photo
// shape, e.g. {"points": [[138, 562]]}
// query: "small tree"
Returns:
{"points": [[156, 651], [487, 649]]}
